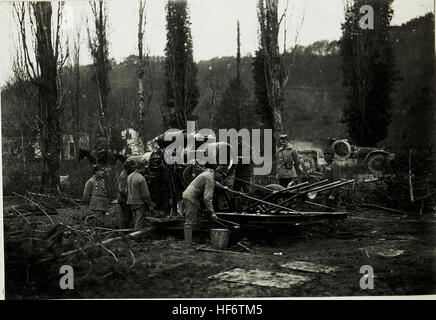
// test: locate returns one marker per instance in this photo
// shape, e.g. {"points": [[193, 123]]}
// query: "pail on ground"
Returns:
{"points": [[219, 238]]}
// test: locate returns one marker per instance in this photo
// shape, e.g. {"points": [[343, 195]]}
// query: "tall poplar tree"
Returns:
{"points": [[182, 92], [368, 70]]}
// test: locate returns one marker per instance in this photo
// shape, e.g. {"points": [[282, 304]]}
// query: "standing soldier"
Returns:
{"points": [[199, 191], [126, 216], [95, 194], [138, 196], [288, 162]]}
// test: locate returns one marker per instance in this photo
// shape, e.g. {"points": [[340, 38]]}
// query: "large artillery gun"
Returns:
{"points": [[279, 211], [171, 169], [272, 209]]}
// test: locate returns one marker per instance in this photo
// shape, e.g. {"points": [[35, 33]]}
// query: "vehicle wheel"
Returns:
{"points": [[342, 149], [309, 164], [376, 164]]}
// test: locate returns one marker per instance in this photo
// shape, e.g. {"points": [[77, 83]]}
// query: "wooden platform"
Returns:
{"points": [[256, 220], [291, 218]]}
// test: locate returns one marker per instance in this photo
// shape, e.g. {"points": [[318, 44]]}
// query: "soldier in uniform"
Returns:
{"points": [[138, 195], [126, 215], [288, 170], [200, 191], [95, 194]]}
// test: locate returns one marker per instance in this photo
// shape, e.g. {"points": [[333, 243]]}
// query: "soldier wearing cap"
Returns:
{"points": [[126, 215], [95, 194], [138, 195], [288, 168], [200, 191]]}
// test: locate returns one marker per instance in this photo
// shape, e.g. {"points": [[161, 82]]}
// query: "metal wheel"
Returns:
{"points": [[376, 164], [309, 164]]}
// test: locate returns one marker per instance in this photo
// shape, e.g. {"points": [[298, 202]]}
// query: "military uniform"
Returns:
{"points": [[288, 165], [199, 190], [96, 195], [126, 217], [138, 198]]}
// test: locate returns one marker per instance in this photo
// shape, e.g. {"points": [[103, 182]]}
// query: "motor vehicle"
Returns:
{"points": [[366, 159]]}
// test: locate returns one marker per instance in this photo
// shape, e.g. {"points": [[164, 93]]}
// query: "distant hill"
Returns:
{"points": [[314, 96]]}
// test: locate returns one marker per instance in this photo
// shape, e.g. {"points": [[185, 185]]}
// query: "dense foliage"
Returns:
{"points": [[182, 92], [369, 72]]}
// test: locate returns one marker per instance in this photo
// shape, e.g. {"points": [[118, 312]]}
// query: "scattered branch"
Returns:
{"points": [[20, 214], [111, 252], [37, 205]]}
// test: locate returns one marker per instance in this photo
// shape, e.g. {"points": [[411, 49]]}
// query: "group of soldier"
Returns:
{"points": [[133, 194], [136, 202]]}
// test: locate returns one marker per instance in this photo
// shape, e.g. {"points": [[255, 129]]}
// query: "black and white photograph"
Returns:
{"points": [[217, 149]]}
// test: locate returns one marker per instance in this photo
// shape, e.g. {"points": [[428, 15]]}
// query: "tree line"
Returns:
{"points": [[347, 87]]}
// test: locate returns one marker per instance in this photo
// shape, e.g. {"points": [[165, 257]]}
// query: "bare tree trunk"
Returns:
{"points": [[270, 26], [276, 68], [141, 105], [76, 105], [238, 77], [98, 45], [278, 121], [49, 106]]}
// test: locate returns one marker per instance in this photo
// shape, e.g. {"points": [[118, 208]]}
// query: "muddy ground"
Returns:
{"points": [[167, 268]]}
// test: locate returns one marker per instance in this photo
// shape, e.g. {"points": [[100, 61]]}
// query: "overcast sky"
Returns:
{"points": [[213, 25]]}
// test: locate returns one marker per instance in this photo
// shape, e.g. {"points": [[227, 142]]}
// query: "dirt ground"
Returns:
{"points": [[165, 267]]}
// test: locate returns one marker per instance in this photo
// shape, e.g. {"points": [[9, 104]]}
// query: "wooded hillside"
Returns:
{"points": [[314, 97]]}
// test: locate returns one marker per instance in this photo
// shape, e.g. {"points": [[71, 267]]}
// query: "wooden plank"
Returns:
{"points": [[224, 251], [308, 267], [279, 216]]}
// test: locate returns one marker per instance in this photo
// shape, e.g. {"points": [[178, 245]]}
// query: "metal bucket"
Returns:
{"points": [[219, 238]]}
